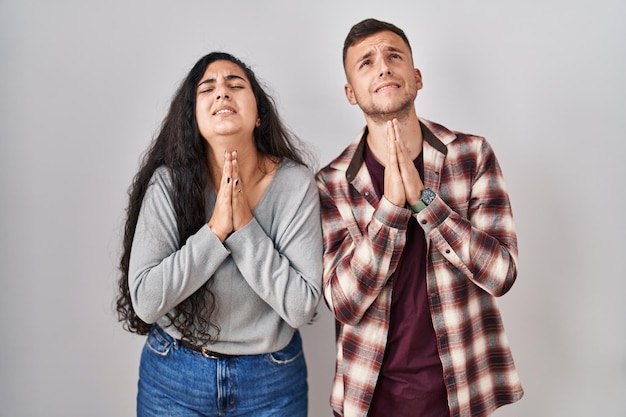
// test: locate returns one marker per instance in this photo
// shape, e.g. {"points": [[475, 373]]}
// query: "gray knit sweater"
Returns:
{"points": [[267, 276]]}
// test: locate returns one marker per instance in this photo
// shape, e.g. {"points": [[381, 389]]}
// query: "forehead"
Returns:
{"points": [[378, 41], [223, 68]]}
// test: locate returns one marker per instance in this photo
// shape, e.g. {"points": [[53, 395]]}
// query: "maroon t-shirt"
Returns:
{"points": [[411, 378]]}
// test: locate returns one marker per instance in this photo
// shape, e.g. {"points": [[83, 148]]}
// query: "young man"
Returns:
{"points": [[418, 241]]}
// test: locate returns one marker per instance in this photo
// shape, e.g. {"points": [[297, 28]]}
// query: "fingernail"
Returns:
{"points": [[228, 180], [236, 182]]}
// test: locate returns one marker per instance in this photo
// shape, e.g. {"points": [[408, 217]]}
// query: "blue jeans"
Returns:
{"points": [[176, 381]]}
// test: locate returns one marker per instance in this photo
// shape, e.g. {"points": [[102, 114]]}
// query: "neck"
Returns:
{"points": [[410, 135], [248, 160]]}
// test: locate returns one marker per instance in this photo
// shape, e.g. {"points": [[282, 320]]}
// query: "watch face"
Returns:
{"points": [[428, 196]]}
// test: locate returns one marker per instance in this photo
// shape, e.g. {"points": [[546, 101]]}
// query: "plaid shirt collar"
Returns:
{"points": [[353, 166]]}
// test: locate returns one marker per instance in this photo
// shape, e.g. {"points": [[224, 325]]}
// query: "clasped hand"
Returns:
{"points": [[402, 180], [232, 210]]}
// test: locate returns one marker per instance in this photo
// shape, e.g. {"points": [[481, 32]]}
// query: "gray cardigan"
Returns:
{"points": [[267, 276]]}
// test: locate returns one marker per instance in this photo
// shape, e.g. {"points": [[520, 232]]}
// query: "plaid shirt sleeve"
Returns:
{"points": [[358, 263], [470, 223]]}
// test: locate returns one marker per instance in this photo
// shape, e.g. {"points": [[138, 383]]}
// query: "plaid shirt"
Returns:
{"points": [[472, 258]]}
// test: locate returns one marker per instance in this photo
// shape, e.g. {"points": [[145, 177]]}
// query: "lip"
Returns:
{"points": [[386, 86], [224, 110]]}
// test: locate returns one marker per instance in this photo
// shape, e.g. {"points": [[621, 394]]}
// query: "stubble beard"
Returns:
{"points": [[381, 114]]}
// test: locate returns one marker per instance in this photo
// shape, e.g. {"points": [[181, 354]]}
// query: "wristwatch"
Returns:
{"points": [[426, 198]]}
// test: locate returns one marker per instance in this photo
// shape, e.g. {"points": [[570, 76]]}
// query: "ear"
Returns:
{"points": [[258, 122], [350, 94], [418, 79]]}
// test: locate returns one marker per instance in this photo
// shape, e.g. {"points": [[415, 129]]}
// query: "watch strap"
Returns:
{"points": [[417, 207]]}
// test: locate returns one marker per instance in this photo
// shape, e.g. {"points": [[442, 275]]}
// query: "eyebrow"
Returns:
{"points": [[228, 78], [387, 49]]}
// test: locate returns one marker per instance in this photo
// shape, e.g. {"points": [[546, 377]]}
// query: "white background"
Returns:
{"points": [[84, 86]]}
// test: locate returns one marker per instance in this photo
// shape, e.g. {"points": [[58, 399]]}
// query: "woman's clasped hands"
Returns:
{"points": [[232, 211]]}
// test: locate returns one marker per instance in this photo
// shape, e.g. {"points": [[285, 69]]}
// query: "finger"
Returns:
{"points": [[396, 128], [225, 180], [394, 189], [400, 149], [404, 163], [402, 154], [235, 165], [410, 176], [391, 169], [392, 150], [242, 214], [228, 174], [221, 222], [391, 133], [236, 185]]}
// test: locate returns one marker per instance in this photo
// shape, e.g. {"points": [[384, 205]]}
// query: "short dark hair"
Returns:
{"points": [[368, 27]]}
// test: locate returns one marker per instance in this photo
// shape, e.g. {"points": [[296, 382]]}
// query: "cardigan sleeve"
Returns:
{"points": [[284, 271], [162, 271]]}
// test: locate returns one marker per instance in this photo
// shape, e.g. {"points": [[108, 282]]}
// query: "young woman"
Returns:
{"points": [[222, 257]]}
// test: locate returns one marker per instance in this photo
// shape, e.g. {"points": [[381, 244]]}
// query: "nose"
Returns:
{"points": [[384, 68], [222, 92]]}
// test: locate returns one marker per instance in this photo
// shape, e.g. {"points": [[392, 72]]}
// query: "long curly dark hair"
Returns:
{"points": [[180, 147]]}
